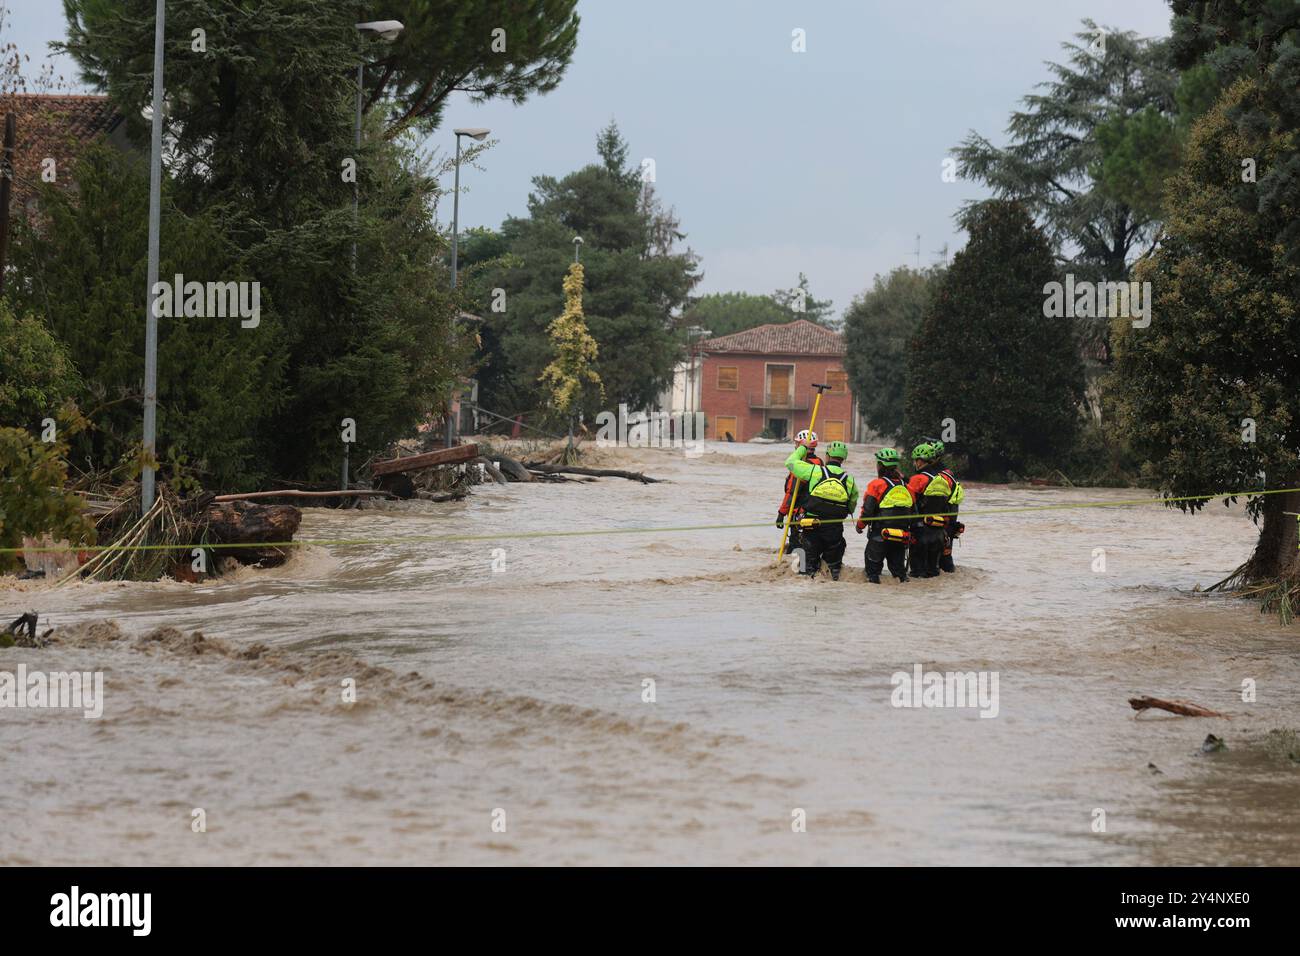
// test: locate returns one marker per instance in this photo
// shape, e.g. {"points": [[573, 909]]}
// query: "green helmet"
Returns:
{"points": [[924, 451], [837, 449], [937, 445], [888, 457]]}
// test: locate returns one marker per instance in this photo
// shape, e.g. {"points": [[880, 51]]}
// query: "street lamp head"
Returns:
{"points": [[476, 132], [577, 240], [384, 29]]}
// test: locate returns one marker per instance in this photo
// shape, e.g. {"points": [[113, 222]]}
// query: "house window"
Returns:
{"points": [[833, 431], [728, 378], [780, 386], [838, 380]]}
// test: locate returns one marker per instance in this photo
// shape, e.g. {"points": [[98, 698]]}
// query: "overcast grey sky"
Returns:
{"points": [[826, 162]]}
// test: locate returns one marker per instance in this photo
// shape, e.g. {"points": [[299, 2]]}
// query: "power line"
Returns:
{"points": [[590, 532]]}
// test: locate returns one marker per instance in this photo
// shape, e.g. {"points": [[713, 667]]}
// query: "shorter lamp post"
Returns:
{"points": [[480, 134]]}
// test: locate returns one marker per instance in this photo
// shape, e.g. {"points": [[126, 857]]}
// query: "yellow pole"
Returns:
{"points": [[785, 532]]}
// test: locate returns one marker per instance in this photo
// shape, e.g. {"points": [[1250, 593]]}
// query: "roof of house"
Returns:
{"points": [[800, 337], [54, 126]]}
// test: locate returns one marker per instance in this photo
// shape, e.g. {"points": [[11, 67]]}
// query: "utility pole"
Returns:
{"points": [[478, 134], [150, 319]]}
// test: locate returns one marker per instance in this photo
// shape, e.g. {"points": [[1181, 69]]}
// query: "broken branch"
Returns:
{"points": [[1181, 707]]}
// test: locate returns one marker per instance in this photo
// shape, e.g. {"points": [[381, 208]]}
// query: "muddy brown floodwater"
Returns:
{"points": [[516, 694]]}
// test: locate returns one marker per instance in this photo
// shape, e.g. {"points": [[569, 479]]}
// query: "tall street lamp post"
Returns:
{"points": [[387, 30], [150, 319]]}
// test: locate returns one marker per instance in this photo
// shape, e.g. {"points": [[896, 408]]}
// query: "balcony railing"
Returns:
{"points": [[782, 401]]}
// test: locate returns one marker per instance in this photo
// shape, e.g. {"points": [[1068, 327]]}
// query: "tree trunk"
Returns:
{"points": [[252, 524], [513, 468], [596, 472], [1276, 555], [492, 471]]}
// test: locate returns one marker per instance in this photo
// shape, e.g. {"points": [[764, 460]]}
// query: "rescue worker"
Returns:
{"points": [[952, 527], [936, 491], [888, 501], [831, 495], [793, 544]]}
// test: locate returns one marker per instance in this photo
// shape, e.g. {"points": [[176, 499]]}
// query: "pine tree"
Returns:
{"points": [[635, 281]]}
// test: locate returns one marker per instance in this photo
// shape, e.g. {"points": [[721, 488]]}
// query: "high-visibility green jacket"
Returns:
{"points": [[938, 492], [828, 482]]}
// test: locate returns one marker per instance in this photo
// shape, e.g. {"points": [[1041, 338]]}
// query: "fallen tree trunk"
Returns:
{"points": [[295, 493], [595, 472], [544, 476], [493, 472], [254, 525], [1181, 707], [430, 459], [513, 468]]}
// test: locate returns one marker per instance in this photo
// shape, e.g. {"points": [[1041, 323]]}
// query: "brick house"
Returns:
{"points": [[761, 380], [52, 129]]}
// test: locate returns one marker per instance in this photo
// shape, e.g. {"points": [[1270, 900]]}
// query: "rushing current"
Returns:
{"points": [[503, 710]]}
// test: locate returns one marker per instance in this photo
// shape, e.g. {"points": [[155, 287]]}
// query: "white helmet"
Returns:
{"points": [[806, 435]]}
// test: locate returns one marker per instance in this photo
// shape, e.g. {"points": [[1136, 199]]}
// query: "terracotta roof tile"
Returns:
{"points": [[55, 126], [800, 337]]}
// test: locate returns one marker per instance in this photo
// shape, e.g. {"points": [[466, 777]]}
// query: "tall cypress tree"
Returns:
{"points": [[986, 357]]}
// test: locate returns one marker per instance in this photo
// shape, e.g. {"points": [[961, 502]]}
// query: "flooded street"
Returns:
{"points": [[771, 693]]}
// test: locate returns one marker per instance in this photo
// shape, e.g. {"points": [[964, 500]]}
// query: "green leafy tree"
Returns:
{"points": [[798, 303], [261, 131], [986, 357], [878, 328], [723, 313], [486, 50], [1259, 40], [489, 51], [1208, 393], [33, 501], [82, 271], [36, 375], [636, 281]]}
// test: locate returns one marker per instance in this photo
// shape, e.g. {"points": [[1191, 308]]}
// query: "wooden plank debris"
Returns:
{"points": [[455, 455]]}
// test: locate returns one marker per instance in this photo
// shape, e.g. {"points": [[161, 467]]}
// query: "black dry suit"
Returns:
{"points": [[888, 501], [831, 495], [937, 493]]}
